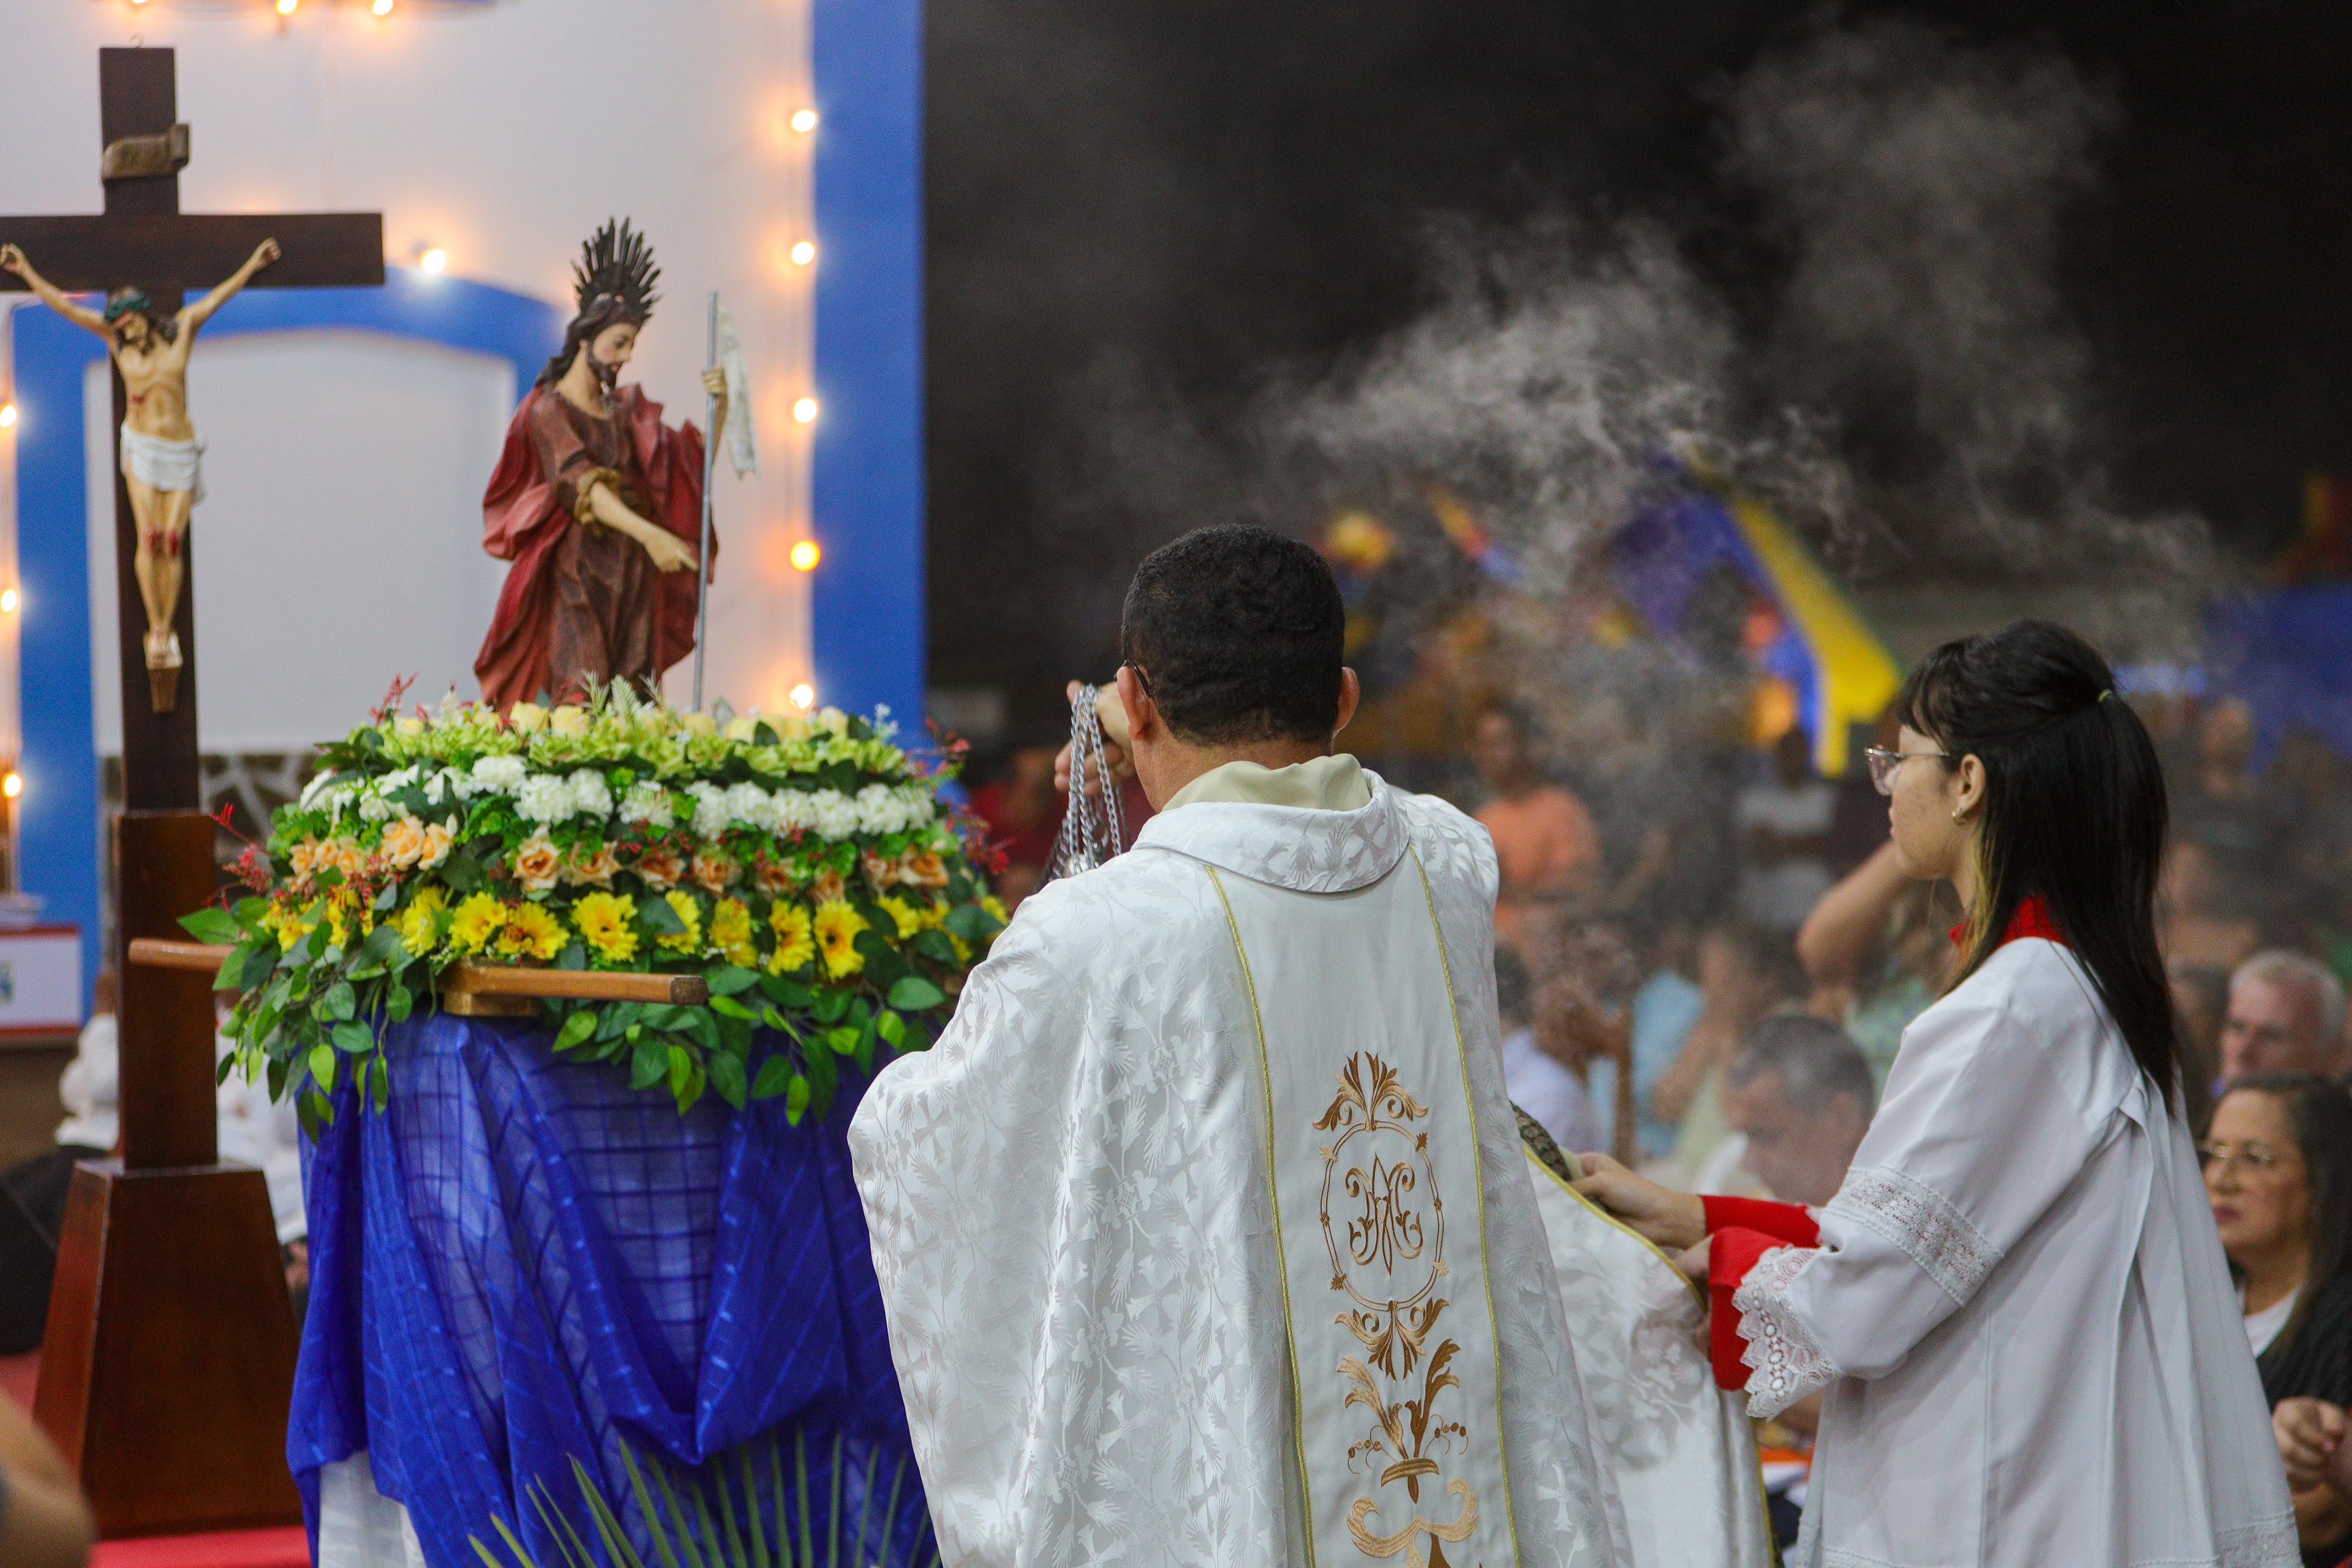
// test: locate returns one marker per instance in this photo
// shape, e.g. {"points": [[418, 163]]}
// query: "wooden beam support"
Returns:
{"points": [[155, 251], [481, 980]]}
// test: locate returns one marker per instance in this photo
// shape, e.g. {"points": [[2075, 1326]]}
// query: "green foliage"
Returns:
{"points": [[800, 865], [716, 1520]]}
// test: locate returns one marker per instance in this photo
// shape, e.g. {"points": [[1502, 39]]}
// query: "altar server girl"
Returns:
{"points": [[2017, 1304]]}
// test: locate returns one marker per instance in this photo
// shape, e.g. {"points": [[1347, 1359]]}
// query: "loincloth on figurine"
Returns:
{"points": [[163, 465]]}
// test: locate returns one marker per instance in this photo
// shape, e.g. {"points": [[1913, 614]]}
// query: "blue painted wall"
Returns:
{"points": [[868, 484], [58, 813]]}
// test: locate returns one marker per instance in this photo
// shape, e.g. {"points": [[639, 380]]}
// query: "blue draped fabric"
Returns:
{"points": [[522, 1262]]}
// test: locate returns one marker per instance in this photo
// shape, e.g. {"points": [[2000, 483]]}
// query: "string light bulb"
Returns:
{"points": [[286, 7], [804, 252], [381, 7], [13, 785], [8, 416], [433, 259], [806, 555], [803, 699], [805, 410], [803, 119], [9, 599]]}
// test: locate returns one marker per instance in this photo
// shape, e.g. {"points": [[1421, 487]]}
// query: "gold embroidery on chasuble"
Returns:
{"points": [[1399, 1220], [1373, 1148]]}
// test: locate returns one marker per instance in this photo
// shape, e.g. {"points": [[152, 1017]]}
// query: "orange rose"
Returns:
{"points": [[305, 858], [346, 856], [714, 870], [596, 869], [403, 842], [660, 869], [438, 840], [829, 888], [880, 870], [538, 862], [922, 868], [775, 877]]}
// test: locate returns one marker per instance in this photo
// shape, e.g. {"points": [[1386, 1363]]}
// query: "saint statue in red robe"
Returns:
{"points": [[597, 503]]}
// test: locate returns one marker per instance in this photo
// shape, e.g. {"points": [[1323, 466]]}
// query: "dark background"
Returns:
{"points": [[1192, 194]]}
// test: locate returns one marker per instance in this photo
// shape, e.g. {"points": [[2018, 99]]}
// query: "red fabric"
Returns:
{"points": [[2031, 919], [1731, 1255], [522, 520], [1792, 1224], [285, 1547], [1743, 1229]]}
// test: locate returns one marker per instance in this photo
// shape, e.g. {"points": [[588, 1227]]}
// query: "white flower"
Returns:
{"points": [[504, 774], [709, 810], [318, 785], [647, 801], [374, 808], [834, 814], [879, 809], [793, 812], [751, 805], [591, 796], [543, 798], [437, 788]]}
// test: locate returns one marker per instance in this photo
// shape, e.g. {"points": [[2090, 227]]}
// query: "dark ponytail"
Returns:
{"points": [[2074, 812]]}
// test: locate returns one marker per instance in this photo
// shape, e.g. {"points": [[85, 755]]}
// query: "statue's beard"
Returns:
{"points": [[608, 376]]}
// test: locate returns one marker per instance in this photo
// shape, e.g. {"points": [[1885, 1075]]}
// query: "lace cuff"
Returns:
{"points": [[1786, 1363], [2262, 1544], [1930, 1230]]}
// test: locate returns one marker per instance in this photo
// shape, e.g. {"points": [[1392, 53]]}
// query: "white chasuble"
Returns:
{"points": [[1682, 1449], [1113, 1347], [1372, 1129]]}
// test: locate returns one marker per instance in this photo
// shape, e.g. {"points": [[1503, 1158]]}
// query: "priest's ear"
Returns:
{"points": [[1351, 692], [1141, 713]]}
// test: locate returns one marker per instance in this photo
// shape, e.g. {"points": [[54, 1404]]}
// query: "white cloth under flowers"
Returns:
{"points": [[1073, 1221], [2019, 1311]]}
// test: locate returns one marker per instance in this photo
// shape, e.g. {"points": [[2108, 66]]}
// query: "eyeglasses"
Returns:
{"points": [[1883, 764], [2257, 1157]]}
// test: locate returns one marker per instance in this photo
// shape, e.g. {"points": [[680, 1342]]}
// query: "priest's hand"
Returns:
{"points": [[1114, 752], [1695, 1261], [1675, 1220], [2309, 1432]]}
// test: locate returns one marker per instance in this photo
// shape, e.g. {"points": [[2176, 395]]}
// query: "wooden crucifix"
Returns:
{"points": [[142, 243], [168, 1369]]}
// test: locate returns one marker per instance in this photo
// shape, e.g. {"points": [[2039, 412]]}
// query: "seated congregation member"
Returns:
{"points": [[1801, 1094], [2017, 1305], [44, 1524], [1536, 1080], [1157, 1219], [2278, 1167], [2285, 1015]]}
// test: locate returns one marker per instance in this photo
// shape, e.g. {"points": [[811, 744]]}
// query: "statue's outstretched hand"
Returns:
{"points": [[669, 552], [265, 253], [13, 258], [1675, 1220]]}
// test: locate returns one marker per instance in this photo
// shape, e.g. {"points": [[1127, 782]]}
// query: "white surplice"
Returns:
{"points": [[1204, 1231], [2020, 1311], [1681, 1450]]}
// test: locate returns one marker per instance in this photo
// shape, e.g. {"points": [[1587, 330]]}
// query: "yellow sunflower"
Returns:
{"points": [[837, 926], [795, 941], [604, 922], [689, 915], [420, 923], [476, 920], [902, 914], [730, 932], [531, 932]]}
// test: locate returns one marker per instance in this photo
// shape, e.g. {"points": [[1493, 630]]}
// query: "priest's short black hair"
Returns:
{"points": [[1239, 633]]}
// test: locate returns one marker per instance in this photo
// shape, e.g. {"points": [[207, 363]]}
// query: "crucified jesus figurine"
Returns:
{"points": [[160, 455]]}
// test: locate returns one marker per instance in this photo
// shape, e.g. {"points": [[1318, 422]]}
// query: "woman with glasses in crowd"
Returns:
{"points": [[2278, 1166], [2016, 1305]]}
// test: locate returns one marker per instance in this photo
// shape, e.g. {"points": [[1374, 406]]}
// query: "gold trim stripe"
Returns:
{"points": [[1274, 1193], [1477, 1165]]}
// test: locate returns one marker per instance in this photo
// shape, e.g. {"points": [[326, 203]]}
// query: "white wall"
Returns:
{"points": [[504, 133]]}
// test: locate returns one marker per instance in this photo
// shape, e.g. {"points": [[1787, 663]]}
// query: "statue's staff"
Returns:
{"points": [[726, 355]]}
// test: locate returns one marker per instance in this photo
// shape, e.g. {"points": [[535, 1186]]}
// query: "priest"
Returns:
{"points": [[1203, 1232]]}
